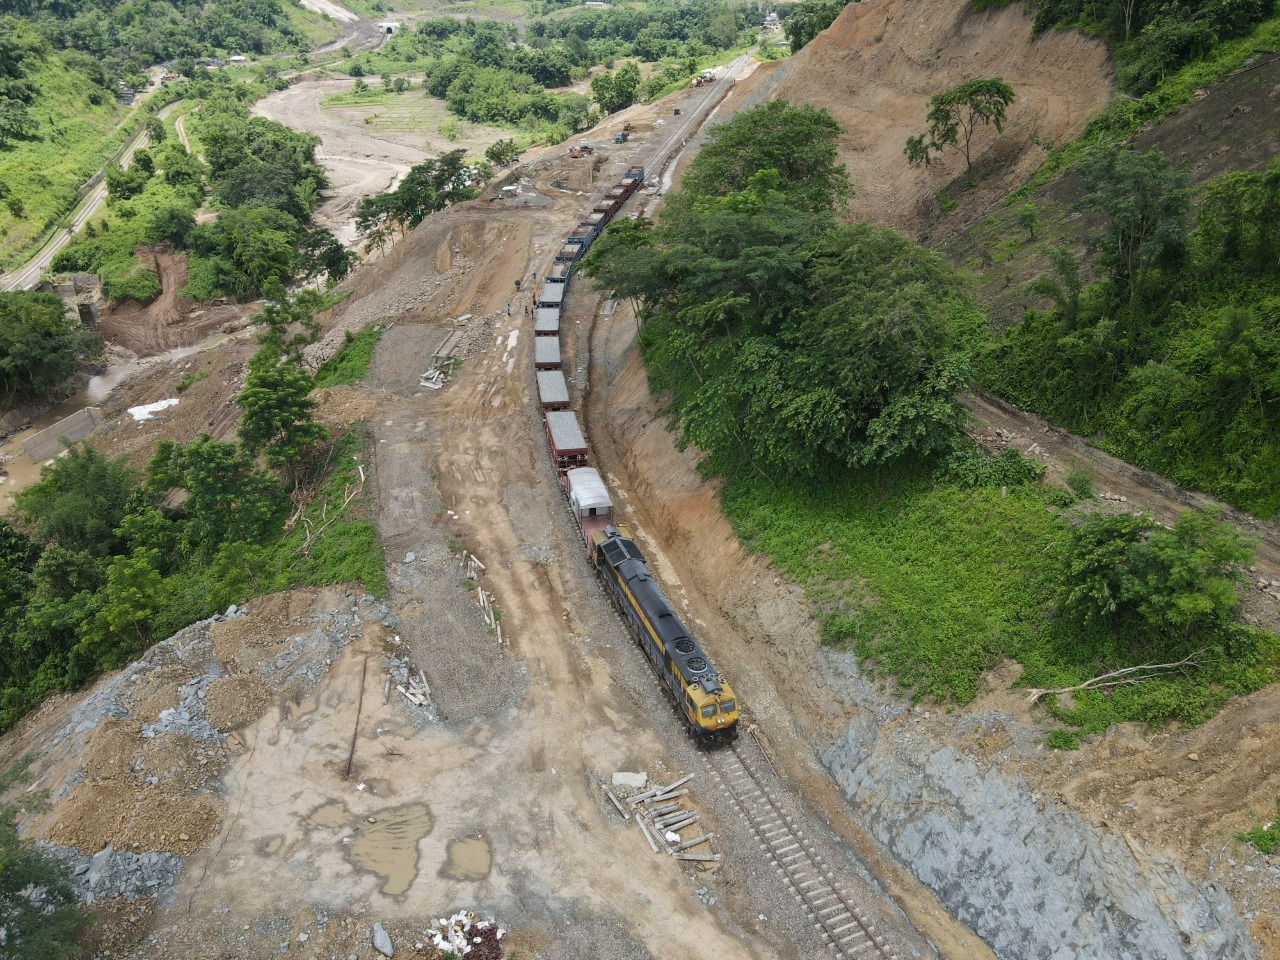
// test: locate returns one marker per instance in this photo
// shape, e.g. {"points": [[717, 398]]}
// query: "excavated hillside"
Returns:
{"points": [[876, 67]]}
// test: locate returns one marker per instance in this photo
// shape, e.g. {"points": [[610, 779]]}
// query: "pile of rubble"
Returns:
{"points": [[118, 873], [660, 814]]}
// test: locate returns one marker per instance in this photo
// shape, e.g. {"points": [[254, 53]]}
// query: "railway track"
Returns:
{"points": [[843, 927]]}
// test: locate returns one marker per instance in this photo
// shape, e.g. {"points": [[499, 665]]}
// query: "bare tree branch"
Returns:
{"points": [[1129, 676]]}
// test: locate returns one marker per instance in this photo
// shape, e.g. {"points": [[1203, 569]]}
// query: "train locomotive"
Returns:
{"points": [[700, 694]]}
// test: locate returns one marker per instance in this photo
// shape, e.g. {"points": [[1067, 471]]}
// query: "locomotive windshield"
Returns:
{"points": [[728, 706]]}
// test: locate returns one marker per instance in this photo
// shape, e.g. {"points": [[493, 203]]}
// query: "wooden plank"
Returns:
{"points": [[698, 857]]}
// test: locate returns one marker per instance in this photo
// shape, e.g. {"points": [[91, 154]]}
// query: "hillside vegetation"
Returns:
{"points": [[493, 72], [59, 122], [260, 176], [124, 39], [99, 561], [818, 364]]}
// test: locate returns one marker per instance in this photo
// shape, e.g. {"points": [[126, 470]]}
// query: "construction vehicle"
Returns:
{"points": [[580, 150], [621, 137], [626, 126]]}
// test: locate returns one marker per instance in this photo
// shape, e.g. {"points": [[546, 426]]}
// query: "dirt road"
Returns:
{"points": [[358, 166], [1001, 424]]}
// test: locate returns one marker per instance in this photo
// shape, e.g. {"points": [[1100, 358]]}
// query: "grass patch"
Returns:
{"points": [[1266, 839], [349, 550], [1127, 117], [929, 583], [190, 378], [932, 579], [74, 139], [350, 364]]}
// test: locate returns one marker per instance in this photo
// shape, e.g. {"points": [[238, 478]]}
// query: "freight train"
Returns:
{"points": [[699, 693]]}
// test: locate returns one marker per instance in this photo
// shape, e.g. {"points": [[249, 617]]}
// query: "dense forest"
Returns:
{"points": [[1151, 39], [123, 39], [489, 72], [100, 560], [1172, 358]]}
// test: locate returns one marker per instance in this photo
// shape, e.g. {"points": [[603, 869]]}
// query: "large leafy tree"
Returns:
{"points": [[80, 501], [279, 412], [227, 499], [616, 91], [428, 187], [796, 345], [1147, 203], [808, 18], [39, 346], [1164, 592], [800, 143], [954, 116]]}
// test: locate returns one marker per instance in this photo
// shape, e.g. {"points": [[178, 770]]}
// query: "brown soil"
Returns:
{"points": [[880, 62], [170, 320], [519, 736]]}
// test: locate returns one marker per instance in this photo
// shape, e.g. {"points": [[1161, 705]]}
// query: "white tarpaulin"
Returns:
{"points": [[587, 491], [145, 411]]}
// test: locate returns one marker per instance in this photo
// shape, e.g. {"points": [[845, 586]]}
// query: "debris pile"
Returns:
{"points": [[465, 935], [117, 873], [661, 815], [472, 567]]}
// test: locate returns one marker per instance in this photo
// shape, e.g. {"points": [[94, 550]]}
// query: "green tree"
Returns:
{"points": [[616, 91], [1167, 592], [1147, 204], [800, 143], [279, 412], [955, 115], [39, 346], [40, 917], [287, 323], [80, 501], [503, 153], [227, 499], [805, 20], [1029, 218]]}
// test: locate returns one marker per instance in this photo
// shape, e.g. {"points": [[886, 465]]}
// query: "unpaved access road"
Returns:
{"points": [[358, 165]]}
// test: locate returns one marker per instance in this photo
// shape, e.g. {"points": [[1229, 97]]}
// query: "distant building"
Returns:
{"points": [[595, 5], [238, 58]]}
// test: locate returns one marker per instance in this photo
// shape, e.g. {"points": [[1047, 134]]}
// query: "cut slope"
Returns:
{"points": [[877, 66]]}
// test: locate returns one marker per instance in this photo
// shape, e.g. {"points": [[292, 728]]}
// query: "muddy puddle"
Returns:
{"points": [[468, 859], [389, 845], [329, 815]]}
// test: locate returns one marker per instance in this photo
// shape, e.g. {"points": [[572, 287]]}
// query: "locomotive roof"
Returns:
{"points": [[685, 652]]}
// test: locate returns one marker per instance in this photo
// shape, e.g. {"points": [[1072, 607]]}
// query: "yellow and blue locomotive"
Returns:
{"points": [[701, 695]]}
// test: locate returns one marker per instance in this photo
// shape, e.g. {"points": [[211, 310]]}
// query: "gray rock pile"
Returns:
{"points": [[1033, 880], [118, 873]]}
